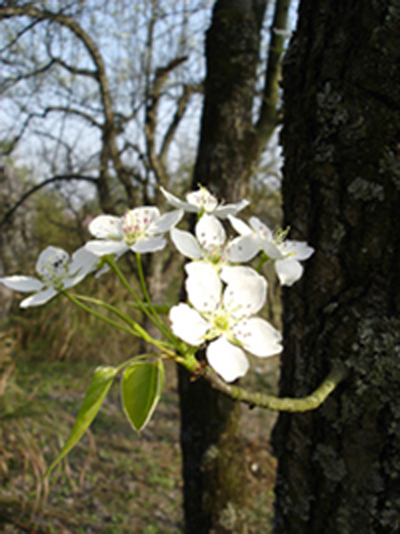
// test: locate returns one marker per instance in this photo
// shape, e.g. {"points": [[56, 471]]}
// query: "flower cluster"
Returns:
{"points": [[223, 295]]}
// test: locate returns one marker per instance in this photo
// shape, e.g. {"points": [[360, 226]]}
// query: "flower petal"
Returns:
{"points": [[245, 294], [186, 243], [258, 337], [232, 273], [230, 209], [82, 262], [22, 283], [165, 222], [271, 250], [149, 244], [54, 258], [101, 248], [240, 226], [203, 286], [188, 324], [176, 202], [39, 298], [202, 199], [299, 249], [242, 249], [106, 227], [140, 219], [261, 229], [226, 359], [289, 271], [209, 231]]}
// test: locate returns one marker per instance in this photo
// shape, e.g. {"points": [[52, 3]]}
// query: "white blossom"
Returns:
{"points": [[210, 244], [225, 317], [56, 270], [202, 201], [140, 230], [285, 253]]}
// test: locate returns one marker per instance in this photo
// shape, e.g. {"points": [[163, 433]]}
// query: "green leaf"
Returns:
{"points": [[141, 388], [97, 390]]}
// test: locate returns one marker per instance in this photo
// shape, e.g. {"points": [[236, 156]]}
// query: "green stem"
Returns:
{"points": [[263, 259], [98, 315], [133, 324], [144, 309], [271, 402], [162, 327], [112, 263], [135, 329]]}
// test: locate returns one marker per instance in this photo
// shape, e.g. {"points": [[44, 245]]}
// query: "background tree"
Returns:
{"points": [[106, 112], [230, 145], [338, 467]]}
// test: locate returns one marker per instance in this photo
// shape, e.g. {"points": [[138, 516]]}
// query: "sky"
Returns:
{"points": [[121, 30]]}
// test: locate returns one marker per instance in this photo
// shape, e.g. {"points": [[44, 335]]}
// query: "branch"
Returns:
{"points": [[67, 111], [37, 187], [305, 404], [269, 113], [270, 402], [181, 106], [74, 70], [151, 116], [10, 82], [109, 129]]}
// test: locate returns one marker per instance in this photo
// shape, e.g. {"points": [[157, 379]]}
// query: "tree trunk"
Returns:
{"points": [[339, 467], [212, 447]]}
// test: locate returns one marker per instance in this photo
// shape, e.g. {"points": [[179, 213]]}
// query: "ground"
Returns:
{"points": [[114, 481]]}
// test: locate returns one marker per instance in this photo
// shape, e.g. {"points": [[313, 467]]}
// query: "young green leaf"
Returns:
{"points": [[141, 388], [95, 394]]}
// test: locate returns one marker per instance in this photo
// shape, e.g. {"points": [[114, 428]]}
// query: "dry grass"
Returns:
{"points": [[114, 481]]}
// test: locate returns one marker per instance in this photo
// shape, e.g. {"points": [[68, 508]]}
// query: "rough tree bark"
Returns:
{"points": [[339, 467], [213, 455]]}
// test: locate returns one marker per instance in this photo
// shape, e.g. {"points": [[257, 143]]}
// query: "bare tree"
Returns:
{"points": [[231, 141], [98, 90], [110, 114]]}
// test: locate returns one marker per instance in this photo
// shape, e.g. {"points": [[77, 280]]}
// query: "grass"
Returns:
{"points": [[113, 481]]}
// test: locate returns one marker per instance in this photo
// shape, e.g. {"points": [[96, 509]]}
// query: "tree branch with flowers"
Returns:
{"points": [[224, 297]]}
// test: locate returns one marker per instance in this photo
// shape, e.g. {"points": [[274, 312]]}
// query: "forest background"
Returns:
{"points": [[337, 468], [100, 104]]}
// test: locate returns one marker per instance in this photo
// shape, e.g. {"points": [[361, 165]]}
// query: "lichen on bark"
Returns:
{"points": [[338, 467]]}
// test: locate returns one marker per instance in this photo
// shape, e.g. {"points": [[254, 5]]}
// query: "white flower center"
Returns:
{"points": [[55, 270], [203, 200], [222, 323], [216, 254], [135, 225]]}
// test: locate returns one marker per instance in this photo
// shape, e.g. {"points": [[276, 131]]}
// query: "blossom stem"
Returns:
{"points": [[144, 309], [261, 262], [271, 402], [133, 324], [98, 315], [157, 319]]}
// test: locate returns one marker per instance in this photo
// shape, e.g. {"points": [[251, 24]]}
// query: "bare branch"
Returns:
{"points": [[9, 82], [19, 35], [181, 107], [74, 70], [69, 177], [160, 78], [109, 129], [269, 113]]}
